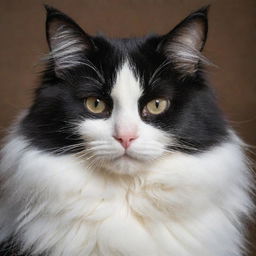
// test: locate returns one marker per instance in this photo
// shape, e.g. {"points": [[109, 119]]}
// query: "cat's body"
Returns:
{"points": [[116, 174]]}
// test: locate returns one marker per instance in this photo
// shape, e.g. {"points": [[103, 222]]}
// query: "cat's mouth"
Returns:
{"points": [[128, 157], [125, 156]]}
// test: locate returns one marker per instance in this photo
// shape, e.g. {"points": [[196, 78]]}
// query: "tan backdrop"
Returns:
{"points": [[231, 46]]}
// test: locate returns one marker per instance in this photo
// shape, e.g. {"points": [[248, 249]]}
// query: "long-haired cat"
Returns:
{"points": [[123, 152]]}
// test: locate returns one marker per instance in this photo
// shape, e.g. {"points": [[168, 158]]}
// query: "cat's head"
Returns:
{"points": [[120, 104]]}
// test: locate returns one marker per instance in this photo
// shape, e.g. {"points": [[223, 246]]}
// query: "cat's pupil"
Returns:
{"points": [[96, 103], [157, 103]]}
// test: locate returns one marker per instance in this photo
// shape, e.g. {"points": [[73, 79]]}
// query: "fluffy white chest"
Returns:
{"points": [[117, 219], [182, 205]]}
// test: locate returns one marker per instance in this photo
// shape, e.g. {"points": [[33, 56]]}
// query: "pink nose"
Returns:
{"points": [[126, 140]]}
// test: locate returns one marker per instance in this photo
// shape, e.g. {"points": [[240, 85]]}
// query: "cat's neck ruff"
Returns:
{"points": [[62, 206]]}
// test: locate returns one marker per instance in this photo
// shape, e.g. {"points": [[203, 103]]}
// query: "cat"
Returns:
{"points": [[124, 151]]}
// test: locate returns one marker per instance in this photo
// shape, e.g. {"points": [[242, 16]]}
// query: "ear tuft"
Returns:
{"points": [[183, 45], [66, 40], [49, 9]]}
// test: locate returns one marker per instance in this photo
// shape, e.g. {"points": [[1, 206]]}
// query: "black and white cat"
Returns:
{"points": [[124, 151]]}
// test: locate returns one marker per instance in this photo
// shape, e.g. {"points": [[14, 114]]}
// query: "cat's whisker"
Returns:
{"points": [[179, 146], [67, 148], [95, 163], [95, 81], [90, 158], [83, 155], [147, 144], [90, 65], [96, 142], [100, 147], [158, 70], [104, 154]]}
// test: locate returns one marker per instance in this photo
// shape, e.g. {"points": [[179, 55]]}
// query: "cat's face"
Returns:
{"points": [[120, 104], [123, 140]]}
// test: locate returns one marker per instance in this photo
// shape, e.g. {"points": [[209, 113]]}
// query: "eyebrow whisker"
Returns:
{"points": [[158, 71]]}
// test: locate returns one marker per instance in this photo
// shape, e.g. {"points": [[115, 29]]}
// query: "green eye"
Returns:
{"points": [[95, 105], [156, 107]]}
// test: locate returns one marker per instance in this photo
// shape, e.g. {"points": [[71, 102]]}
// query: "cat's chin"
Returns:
{"points": [[125, 165]]}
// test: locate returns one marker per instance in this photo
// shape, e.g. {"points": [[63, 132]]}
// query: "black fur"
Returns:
{"points": [[193, 116], [12, 248]]}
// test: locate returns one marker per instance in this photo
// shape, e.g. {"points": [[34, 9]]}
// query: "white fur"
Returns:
{"points": [[183, 205], [99, 203]]}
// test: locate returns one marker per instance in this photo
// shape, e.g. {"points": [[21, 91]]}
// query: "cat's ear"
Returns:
{"points": [[66, 40], [183, 45]]}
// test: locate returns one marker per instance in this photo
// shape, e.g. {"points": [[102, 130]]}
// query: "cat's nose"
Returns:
{"points": [[126, 139]]}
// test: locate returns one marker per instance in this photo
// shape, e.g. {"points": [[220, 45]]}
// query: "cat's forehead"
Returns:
{"points": [[126, 87], [127, 64]]}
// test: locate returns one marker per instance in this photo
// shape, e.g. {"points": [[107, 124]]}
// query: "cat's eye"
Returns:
{"points": [[155, 107], [95, 105]]}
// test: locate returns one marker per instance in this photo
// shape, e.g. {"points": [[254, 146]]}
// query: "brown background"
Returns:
{"points": [[231, 46]]}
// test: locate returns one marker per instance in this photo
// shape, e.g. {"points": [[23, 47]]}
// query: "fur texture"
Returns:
{"points": [[69, 187], [182, 205]]}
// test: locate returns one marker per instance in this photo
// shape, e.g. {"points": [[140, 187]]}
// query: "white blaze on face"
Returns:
{"points": [[123, 143], [125, 94]]}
